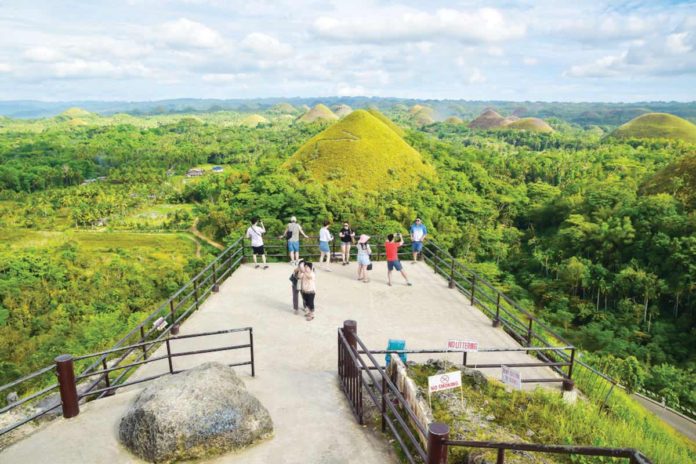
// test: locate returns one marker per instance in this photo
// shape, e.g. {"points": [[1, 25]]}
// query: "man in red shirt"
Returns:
{"points": [[392, 251]]}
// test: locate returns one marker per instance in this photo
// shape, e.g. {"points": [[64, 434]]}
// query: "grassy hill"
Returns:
{"points": [[254, 120], [391, 124], [319, 113], [489, 119], [657, 125], [454, 120], [529, 124], [361, 150], [678, 179], [283, 108]]}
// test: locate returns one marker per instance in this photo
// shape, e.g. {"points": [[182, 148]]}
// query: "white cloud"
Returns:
{"points": [[5, 68], [265, 46], [82, 69], [678, 43], [225, 78], [389, 25], [346, 90], [529, 61], [43, 55], [476, 77], [184, 33]]}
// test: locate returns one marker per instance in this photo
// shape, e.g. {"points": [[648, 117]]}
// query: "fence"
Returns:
{"points": [[135, 346], [359, 375]]}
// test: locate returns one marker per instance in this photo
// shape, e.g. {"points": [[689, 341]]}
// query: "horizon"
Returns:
{"points": [[524, 51]]}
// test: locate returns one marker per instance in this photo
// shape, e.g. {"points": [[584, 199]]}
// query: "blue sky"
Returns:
{"points": [[476, 50]]}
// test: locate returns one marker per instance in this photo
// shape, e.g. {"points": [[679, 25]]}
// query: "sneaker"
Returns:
{"points": [[409, 284], [257, 266], [265, 267], [389, 283], [296, 311], [327, 269]]}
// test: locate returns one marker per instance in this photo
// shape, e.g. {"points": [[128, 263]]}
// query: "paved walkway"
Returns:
{"points": [[295, 363]]}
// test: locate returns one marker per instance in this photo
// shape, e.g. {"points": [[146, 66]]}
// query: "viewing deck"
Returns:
{"points": [[295, 362]]}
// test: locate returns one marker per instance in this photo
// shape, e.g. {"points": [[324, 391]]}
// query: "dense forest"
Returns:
{"points": [[596, 235]]}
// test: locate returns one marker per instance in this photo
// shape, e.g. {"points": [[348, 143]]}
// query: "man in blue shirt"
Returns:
{"points": [[418, 233]]}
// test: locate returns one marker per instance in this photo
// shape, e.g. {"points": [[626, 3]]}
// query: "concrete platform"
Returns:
{"points": [[296, 375]]}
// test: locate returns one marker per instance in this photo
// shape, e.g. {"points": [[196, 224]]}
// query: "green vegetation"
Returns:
{"points": [[492, 413], [657, 125], [360, 150], [593, 234], [254, 120], [379, 115]]}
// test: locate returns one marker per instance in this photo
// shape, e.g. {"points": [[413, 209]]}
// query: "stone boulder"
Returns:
{"points": [[198, 413]]}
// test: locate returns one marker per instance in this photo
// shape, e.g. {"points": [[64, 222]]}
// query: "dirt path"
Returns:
{"points": [[198, 245], [194, 230]]}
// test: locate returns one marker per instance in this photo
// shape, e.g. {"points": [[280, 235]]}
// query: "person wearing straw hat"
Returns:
{"points": [[364, 263]]}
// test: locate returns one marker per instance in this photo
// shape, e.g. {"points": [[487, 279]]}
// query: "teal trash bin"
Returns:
{"points": [[394, 344]]}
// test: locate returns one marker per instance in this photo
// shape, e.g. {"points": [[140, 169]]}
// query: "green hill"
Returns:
{"points": [[319, 113], [677, 179], [391, 124], [361, 150], [489, 119], [76, 113], [529, 124], [254, 120], [454, 120], [282, 108], [657, 125]]}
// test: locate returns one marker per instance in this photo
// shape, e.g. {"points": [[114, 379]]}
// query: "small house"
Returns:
{"points": [[217, 169], [195, 172]]}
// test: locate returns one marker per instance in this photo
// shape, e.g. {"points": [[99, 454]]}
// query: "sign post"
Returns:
{"points": [[441, 382], [512, 377]]}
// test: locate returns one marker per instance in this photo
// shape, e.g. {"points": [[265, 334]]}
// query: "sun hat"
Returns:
{"points": [[363, 238]]}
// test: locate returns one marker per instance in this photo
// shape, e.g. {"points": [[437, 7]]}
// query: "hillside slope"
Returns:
{"points": [[319, 113], [361, 150], [657, 125]]}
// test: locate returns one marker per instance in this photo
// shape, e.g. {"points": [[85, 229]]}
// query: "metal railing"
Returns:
{"points": [[359, 375], [137, 343]]}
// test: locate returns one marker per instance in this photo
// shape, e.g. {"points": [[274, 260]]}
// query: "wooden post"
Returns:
{"points": [[451, 279], [529, 332], [473, 287], [142, 339], [216, 287]]}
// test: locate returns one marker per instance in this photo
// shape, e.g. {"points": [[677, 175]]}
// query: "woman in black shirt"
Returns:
{"points": [[346, 235]]}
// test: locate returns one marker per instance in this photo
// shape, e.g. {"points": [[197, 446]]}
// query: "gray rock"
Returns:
{"points": [[12, 397], [490, 417], [199, 413]]}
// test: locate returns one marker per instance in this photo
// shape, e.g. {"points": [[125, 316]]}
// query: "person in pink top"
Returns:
{"points": [[391, 249]]}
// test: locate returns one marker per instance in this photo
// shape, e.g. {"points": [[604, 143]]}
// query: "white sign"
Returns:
{"points": [[462, 345], [442, 382], [512, 377]]}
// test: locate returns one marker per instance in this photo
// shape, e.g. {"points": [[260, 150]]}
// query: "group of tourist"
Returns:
{"points": [[303, 277]]}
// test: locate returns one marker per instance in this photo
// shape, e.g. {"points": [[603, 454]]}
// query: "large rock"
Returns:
{"points": [[202, 412]]}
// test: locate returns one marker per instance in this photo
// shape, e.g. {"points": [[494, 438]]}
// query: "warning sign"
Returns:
{"points": [[462, 345], [512, 377], [442, 382]]}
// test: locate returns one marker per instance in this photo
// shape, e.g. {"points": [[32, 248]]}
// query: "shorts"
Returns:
{"points": [[294, 246], [324, 247], [346, 244], [417, 247], [258, 250], [394, 265], [363, 260]]}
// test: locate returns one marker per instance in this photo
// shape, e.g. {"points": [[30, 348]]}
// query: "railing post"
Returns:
{"points": [[438, 434], [501, 456], [350, 331], [68, 389], [451, 279], [473, 288], [195, 293], [244, 251], [384, 404], [216, 287], [172, 311], [169, 357], [142, 339], [529, 332], [568, 383], [496, 321], [251, 342], [464, 359], [106, 379]]}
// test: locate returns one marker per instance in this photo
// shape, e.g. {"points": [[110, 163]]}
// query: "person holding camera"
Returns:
{"points": [[347, 235], [324, 247], [308, 283], [364, 263], [296, 286], [391, 249], [255, 234]]}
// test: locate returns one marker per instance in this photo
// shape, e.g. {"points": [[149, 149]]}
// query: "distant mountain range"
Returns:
{"points": [[581, 113]]}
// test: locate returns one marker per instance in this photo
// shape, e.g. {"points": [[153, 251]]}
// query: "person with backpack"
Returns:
{"points": [[309, 288], [347, 235], [324, 238], [255, 234], [364, 262], [292, 235], [418, 233], [391, 249]]}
